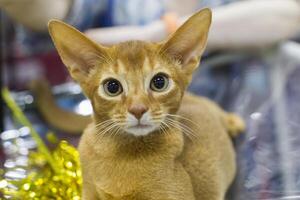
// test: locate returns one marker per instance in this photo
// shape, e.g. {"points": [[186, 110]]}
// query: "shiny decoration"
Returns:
{"points": [[49, 175]]}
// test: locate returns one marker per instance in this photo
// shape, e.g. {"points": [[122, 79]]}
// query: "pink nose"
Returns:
{"points": [[138, 110]]}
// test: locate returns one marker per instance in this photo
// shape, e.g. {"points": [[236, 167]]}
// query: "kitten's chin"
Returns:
{"points": [[140, 130]]}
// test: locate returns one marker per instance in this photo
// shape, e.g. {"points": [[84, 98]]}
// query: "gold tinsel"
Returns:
{"points": [[52, 175]]}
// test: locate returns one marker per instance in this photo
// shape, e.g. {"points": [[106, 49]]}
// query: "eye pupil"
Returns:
{"points": [[113, 87], [159, 82]]}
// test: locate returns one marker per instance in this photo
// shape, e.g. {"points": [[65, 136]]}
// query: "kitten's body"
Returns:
{"points": [[149, 140], [164, 166]]}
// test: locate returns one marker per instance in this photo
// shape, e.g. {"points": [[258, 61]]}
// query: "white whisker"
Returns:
{"points": [[182, 127]]}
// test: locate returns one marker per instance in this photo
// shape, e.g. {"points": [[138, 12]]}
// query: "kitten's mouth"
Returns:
{"points": [[141, 126], [140, 129]]}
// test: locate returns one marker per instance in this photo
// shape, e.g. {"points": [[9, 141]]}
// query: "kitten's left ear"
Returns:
{"points": [[187, 44], [78, 53]]}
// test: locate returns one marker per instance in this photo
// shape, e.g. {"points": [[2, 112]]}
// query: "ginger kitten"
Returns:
{"points": [[149, 140]]}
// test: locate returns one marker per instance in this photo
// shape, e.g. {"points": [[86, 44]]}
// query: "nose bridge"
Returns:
{"points": [[136, 83], [136, 89], [139, 98], [138, 102]]}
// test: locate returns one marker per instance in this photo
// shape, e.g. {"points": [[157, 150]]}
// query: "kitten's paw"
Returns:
{"points": [[235, 125]]}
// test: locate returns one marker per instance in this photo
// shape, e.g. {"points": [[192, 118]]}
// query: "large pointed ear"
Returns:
{"points": [[189, 41], [77, 52]]}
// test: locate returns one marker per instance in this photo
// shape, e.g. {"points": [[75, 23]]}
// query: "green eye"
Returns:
{"points": [[112, 87], [159, 82]]}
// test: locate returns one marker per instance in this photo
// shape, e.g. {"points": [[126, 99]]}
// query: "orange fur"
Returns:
{"points": [[189, 155]]}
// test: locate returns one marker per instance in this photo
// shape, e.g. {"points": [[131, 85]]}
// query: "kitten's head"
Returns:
{"points": [[133, 86]]}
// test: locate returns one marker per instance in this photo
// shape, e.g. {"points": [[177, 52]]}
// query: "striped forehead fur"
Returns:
{"points": [[134, 53]]}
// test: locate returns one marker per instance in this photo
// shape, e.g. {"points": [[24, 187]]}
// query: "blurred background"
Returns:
{"points": [[251, 66]]}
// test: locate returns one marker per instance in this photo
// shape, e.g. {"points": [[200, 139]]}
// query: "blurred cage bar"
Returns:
{"points": [[2, 58]]}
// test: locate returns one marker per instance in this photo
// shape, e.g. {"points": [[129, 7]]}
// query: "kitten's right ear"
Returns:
{"points": [[78, 53]]}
